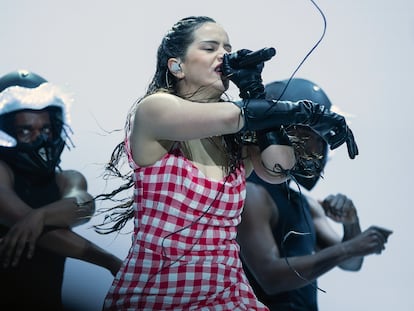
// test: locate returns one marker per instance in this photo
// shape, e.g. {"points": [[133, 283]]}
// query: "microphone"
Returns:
{"points": [[251, 59]]}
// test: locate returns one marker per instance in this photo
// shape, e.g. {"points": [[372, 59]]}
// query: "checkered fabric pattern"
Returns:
{"points": [[184, 255]]}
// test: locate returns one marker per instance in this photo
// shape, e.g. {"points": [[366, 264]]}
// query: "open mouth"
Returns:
{"points": [[218, 69]]}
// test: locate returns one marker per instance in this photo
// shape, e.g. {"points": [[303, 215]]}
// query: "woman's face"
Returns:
{"points": [[202, 64]]}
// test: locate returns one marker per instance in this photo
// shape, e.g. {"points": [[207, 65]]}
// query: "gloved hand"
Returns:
{"points": [[248, 80], [333, 128], [350, 144], [265, 115]]}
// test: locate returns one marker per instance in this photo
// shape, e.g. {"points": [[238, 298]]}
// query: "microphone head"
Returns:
{"points": [[253, 58], [270, 52]]}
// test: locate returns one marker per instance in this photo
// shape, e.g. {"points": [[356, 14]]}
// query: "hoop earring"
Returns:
{"points": [[167, 80]]}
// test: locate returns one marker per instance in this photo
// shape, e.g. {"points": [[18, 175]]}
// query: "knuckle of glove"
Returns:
{"points": [[340, 138], [226, 66], [243, 52]]}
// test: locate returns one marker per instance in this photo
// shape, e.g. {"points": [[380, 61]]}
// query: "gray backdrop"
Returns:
{"points": [[103, 52]]}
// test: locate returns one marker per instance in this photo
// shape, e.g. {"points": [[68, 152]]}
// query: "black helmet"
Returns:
{"points": [[23, 90], [21, 78], [297, 89], [306, 172]]}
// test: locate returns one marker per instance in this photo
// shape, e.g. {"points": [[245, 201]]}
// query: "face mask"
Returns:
{"points": [[307, 182], [308, 173], [39, 158]]}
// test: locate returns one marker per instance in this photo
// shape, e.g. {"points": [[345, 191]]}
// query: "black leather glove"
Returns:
{"points": [[265, 115], [351, 144], [248, 79]]}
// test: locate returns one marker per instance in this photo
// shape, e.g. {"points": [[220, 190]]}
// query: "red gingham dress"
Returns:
{"points": [[184, 255]]}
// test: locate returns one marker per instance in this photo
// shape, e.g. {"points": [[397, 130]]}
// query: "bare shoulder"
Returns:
{"points": [[70, 174], [150, 128], [151, 112], [257, 197], [70, 178], [255, 190], [260, 204], [154, 102], [6, 174], [315, 207]]}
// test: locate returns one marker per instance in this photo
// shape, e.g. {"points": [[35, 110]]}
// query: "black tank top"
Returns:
{"points": [[294, 215], [38, 281]]}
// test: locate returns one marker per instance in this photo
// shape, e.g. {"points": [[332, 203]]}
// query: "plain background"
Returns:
{"points": [[103, 52]]}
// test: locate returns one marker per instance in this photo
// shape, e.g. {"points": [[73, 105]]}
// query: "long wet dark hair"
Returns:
{"points": [[174, 45]]}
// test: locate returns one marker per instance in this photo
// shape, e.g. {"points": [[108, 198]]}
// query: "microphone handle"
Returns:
{"points": [[254, 58]]}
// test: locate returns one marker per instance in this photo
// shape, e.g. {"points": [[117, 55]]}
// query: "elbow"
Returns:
{"points": [[84, 212], [90, 207], [86, 205], [352, 265], [351, 268]]}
